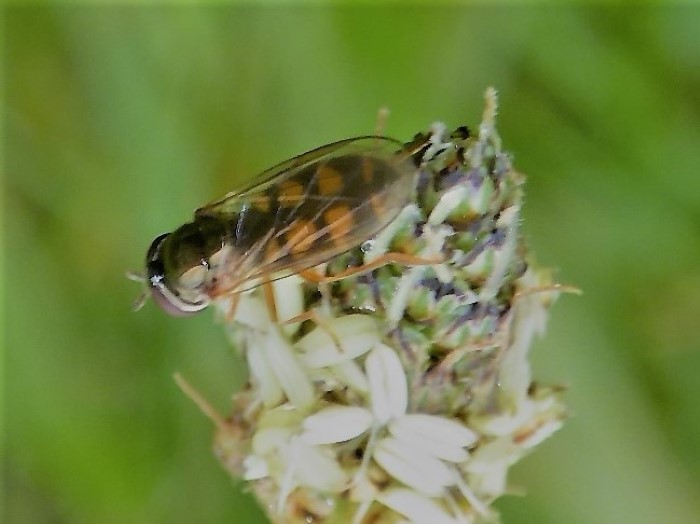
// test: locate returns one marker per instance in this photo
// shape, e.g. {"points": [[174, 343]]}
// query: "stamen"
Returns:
{"points": [[204, 406]]}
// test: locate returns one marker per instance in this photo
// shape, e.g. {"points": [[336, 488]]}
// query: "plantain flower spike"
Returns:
{"points": [[403, 394]]}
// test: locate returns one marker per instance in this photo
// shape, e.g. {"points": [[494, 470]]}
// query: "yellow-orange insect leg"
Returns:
{"points": [[269, 294], [312, 276], [388, 258], [235, 299]]}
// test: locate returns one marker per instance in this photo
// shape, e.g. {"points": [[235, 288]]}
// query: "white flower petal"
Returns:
{"points": [[435, 237], [255, 468], [515, 374], [288, 371], [480, 199], [399, 301], [250, 310], [289, 301], [349, 337], [538, 434], [488, 467], [505, 423], [336, 424], [414, 468], [438, 436], [268, 440], [432, 447], [447, 203], [387, 383], [416, 507], [263, 377], [380, 244], [350, 374], [491, 484], [501, 451], [316, 468], [284, 416], [362, 489], [468, 493]]}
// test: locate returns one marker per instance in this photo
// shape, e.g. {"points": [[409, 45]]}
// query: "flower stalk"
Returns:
{"points": [[405, 393]]}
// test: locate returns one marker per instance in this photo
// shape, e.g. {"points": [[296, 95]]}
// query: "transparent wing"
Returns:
{"points": [[314, 207], [256, 189]]}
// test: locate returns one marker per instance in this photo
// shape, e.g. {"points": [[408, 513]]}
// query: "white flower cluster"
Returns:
{"points": [[408, 398], [427, 468], [294, 442]]}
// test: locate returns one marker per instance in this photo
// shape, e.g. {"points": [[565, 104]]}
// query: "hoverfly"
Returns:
{"points": [[294, 216]]}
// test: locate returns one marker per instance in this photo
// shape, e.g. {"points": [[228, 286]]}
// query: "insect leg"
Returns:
{"points": [[306, 315], [312, 276], [269, 295], [235, 299], [387, 258]]}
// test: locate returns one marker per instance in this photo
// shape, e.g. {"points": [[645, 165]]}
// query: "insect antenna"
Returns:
{"points": [[140, 300], [135, 276]]}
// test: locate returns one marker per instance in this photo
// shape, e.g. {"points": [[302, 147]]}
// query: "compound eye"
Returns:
{"points": [[153, 254], [170, 300]]}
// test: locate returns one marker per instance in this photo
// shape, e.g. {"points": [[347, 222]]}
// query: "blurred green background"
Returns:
{"points": [[121, 120]]}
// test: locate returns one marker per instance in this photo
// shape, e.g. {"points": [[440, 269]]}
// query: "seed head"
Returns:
{"points": [[404, 393]]}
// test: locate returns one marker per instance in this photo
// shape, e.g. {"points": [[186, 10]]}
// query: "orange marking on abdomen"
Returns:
{"points": [[262, 204], [339, 221], [377, 202], [300, 236], [330, 181], [367, 170], [290, 192]]}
